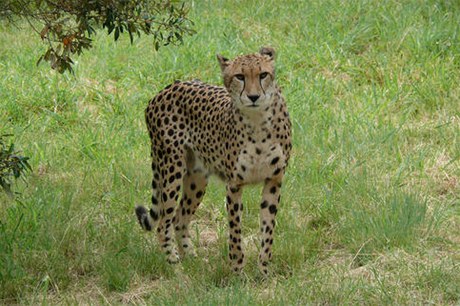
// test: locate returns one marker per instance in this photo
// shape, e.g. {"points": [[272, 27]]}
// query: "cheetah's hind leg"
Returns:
{"points": [[193, 189]]}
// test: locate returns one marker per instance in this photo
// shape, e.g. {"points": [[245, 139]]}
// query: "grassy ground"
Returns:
{"points": [[370, 208]]}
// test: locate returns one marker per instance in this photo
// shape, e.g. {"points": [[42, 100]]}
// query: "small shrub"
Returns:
{"points": [[12, 165]]}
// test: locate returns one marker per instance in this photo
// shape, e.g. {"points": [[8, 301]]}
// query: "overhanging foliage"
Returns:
{"points": [[66, 26]]}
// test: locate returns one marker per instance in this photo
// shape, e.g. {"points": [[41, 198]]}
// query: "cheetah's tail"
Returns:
{"points": [[147, 219]]}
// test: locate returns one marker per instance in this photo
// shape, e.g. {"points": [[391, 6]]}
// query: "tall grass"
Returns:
{"points": [[370, 204]]}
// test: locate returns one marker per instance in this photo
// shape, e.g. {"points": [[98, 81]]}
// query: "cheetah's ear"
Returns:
{"points": [[223, 62], [269, 51]]}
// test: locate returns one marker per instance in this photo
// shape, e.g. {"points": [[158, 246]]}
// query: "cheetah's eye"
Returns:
{"points": [[263, 75], [239, 77]]}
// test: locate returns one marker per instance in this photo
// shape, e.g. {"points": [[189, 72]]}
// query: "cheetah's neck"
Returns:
{"points": [[258, 121]]}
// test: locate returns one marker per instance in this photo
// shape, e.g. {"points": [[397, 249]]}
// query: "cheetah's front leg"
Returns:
{"points": [[234, 208], [268, 210]]}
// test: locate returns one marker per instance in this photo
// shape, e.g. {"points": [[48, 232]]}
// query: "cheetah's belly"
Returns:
{"points": [[258, 162]]}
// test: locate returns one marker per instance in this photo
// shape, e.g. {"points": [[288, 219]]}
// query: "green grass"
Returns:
{"points": [[371, 202]]}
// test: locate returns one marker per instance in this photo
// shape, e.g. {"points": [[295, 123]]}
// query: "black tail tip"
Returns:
{"points": [[142, 217], [140, 211]]}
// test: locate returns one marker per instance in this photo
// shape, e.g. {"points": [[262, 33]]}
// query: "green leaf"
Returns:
{"points": [[117, 33], [131, 37], [40, 60]]}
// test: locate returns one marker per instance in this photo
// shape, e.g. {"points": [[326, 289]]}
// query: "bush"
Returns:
{"points": [[12, 165]]}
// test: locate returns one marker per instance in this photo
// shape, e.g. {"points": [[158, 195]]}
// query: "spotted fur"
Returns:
{"points": [[240, 132]]}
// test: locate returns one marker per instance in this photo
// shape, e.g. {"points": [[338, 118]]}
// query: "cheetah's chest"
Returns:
{"points": [[258, 162]]}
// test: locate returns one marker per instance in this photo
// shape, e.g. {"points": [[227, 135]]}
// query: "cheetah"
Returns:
{"points": [[240, 132]]}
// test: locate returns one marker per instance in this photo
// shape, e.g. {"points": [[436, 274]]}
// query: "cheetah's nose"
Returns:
{"points": [[253, 98]]}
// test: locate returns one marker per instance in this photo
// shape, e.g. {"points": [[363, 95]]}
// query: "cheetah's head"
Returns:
{"points": [[250, 79]]}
